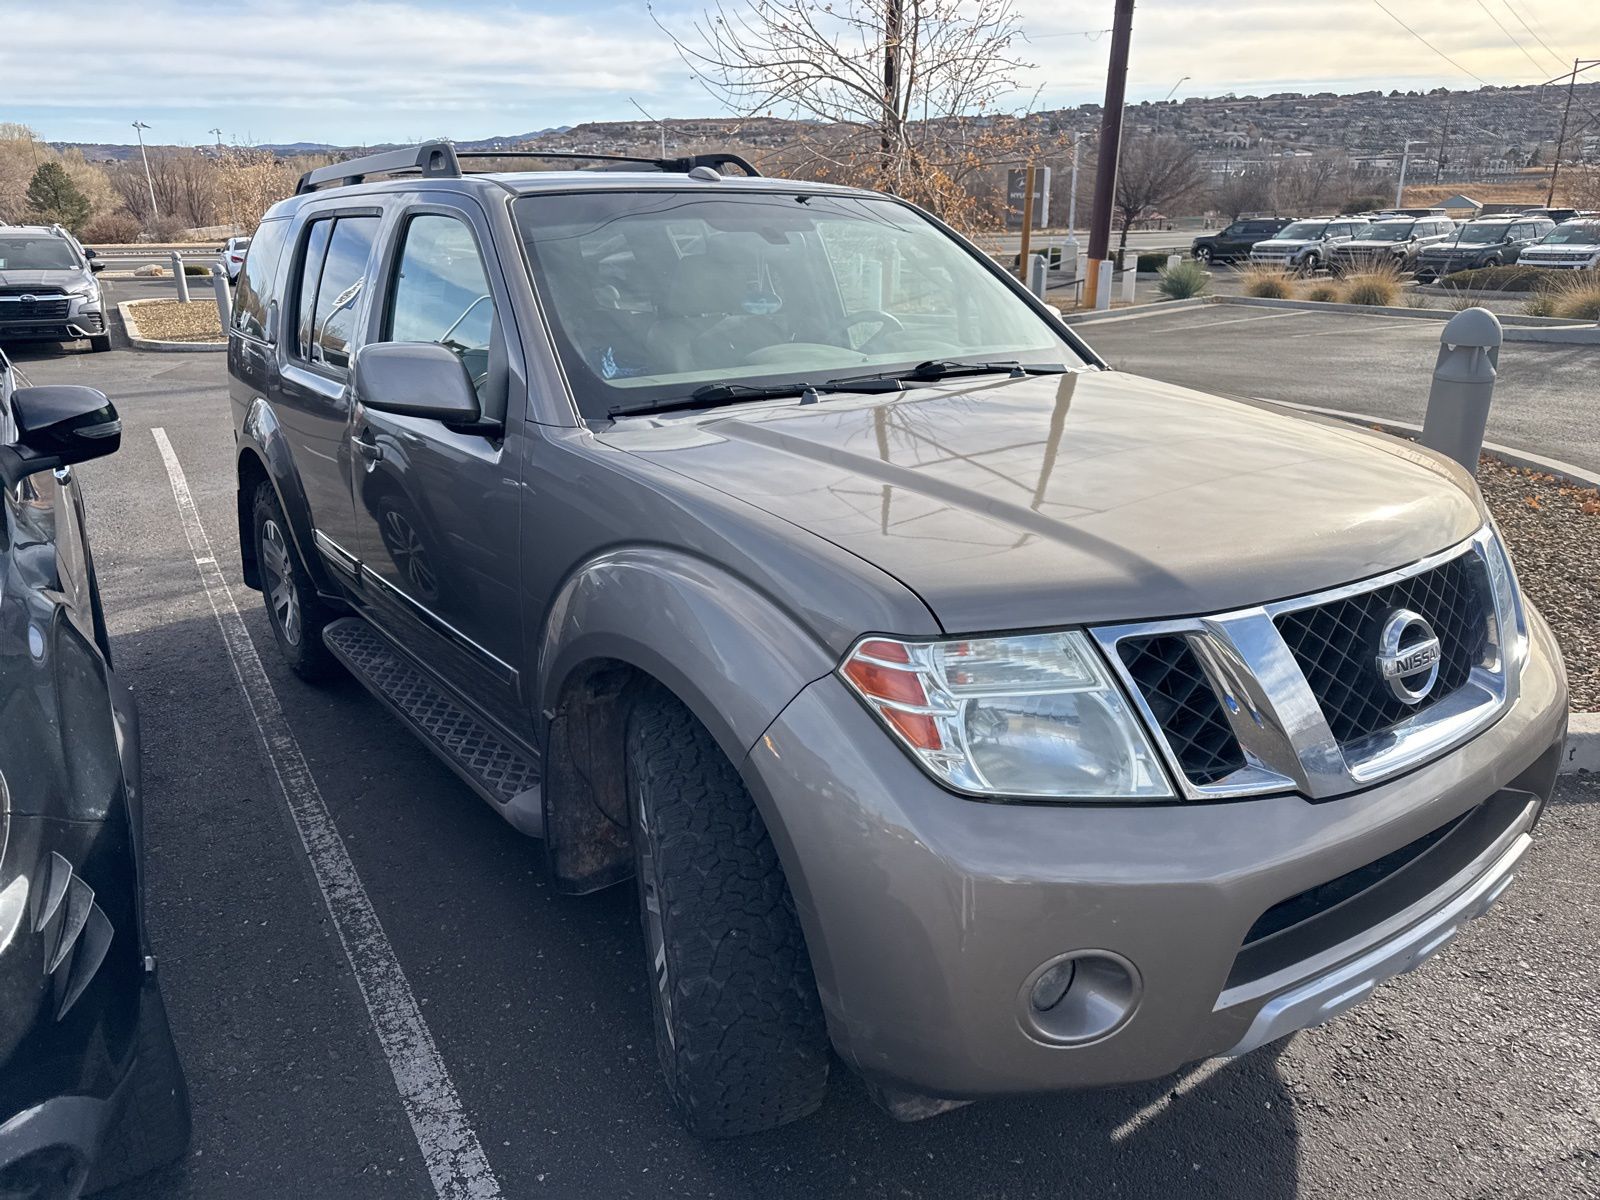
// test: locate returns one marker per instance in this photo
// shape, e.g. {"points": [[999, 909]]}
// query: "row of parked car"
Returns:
{"points": [[1431, 245]]}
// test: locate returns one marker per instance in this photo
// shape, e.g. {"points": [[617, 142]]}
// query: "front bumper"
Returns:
{"points": [[83, 318], [929, 917]]}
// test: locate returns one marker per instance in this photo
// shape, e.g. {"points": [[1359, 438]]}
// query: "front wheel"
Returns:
{"points": [[294, 610], [100, 343], [1310, 265], [1203, 256], [739, 1027]]}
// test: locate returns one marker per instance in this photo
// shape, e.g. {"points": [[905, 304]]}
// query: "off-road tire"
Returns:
{"points": [[302, 646], [739, 1027], [100, 343], [153, 1128]]}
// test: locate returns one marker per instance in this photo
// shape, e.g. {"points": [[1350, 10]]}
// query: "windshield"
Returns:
{"points": [[1395, 231], [1301, 231], [1481, 234], [652, 294], [1572, 235], [36, 254]]}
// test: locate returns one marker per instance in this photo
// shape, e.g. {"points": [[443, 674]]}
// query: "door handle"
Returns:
{"points": [[370, 451]]}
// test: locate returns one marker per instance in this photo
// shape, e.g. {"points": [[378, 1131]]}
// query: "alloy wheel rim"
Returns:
{"points": [[282, 596]]}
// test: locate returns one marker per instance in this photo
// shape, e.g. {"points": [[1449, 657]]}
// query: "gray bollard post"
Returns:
{"points": [[1174, 261], [219, 287], [1037, 266], [1102, 291], [180, 278], [1463, 385]]}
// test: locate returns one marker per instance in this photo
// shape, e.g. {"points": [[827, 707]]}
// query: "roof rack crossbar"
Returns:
{"points": [[682, 165], [436, 159]]}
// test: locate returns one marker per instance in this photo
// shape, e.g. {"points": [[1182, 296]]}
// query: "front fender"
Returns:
{"points": [[729, 652], [262, 436]]}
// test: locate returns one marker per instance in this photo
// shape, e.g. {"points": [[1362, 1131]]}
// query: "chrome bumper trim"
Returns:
{"points": [[1324, 997]]}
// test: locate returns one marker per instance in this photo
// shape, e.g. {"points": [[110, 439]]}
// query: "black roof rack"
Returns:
{"points": [[441, 160]]}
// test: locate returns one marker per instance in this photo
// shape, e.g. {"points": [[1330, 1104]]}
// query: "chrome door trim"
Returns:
{"points": [[335, 554]]}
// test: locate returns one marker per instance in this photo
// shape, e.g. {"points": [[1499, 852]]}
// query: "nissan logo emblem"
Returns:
{"points": [[1408, 656]]}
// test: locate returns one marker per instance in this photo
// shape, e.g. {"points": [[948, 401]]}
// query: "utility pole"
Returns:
{"points": [[1405, 161], [1579, 66], [138, 128], [1105, 182], [890, 132], [1444, 137]]}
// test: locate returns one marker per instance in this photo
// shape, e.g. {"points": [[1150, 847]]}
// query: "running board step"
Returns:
{"points": [[503, 774]]}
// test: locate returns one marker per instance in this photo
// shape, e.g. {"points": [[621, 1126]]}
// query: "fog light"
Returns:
{"points": [[1079, 997]]}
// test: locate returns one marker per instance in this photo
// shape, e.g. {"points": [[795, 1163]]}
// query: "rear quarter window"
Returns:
{"points": [[255, 293]]}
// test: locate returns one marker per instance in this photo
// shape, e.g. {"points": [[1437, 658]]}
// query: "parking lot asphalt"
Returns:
{"points": [[1477, 1076], [1546, 399]]}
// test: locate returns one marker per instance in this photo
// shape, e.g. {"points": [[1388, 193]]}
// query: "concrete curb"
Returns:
{"points": [[1516, 328], [140, 342], [1583, 731]]}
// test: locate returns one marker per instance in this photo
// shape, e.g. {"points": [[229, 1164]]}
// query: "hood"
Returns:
{"points": [[1446, 249], [64, 277], [1091, 497], [1371, 244], [1286, 243]]}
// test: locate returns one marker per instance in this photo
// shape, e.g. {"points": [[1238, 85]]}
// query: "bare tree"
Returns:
{"points": [[1154, 173], [1239, 192], [911, 86], [1308, 184]]}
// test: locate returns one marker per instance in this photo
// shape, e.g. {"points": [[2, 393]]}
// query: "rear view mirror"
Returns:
{"points": [[416, 379], [57, 426]]}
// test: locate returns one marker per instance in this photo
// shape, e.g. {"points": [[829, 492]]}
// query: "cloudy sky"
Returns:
{"points": [[293, 70]]}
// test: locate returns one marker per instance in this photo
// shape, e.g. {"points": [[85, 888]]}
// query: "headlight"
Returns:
{"points": [[1510, 618], [1015, 716]]}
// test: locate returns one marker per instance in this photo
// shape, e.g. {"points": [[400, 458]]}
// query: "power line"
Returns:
{"points": [[1539, 70], [1431, 46], [1558, 59]]}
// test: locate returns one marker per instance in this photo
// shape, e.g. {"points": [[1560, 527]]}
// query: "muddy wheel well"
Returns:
{"points": [[251, 475], [588, 836]]}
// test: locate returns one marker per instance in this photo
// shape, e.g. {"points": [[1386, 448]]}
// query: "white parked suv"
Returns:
{"points": [[1306, 246], [1574, 245], [232, 254]]}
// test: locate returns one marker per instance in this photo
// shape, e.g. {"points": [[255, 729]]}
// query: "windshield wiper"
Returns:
{"points": [[714, 395], [949, 368]]}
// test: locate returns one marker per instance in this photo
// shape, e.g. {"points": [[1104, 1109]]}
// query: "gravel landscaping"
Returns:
{"points": [[1553, 530], [173, 321]]}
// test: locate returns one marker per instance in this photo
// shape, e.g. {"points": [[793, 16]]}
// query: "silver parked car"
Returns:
{"points": [[1396, 241], [1573, 246], [992, 720], [1306, 246], [232, 252], [48, 290]]}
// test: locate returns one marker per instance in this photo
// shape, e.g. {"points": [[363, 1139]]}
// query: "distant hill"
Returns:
{"points": [[1461, 133]]}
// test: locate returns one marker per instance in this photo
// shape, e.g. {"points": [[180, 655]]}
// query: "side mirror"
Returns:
{"points": [[97, 267], [87, 253], [416, 379], [57, 426]]}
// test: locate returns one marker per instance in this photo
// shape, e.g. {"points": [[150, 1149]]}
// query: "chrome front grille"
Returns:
{"points": [[34, 308], [1293, 696]]}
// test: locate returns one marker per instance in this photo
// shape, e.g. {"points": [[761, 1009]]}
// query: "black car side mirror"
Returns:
{"points": [[416, 379], [55, 427], [97, 267], [87, 253]]}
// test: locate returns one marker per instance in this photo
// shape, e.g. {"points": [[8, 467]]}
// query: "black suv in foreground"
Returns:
{"points": [[998, 721], [91, 1091], [1235, 242]]}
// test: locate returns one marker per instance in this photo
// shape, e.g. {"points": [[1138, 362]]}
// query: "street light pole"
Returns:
{"points": [[1405, 161], [661, 126], [1169, 96], [139, 127], [1072, 197]]}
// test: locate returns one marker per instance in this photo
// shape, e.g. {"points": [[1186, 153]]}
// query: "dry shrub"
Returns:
{"points": [[1379, 286], [1266, 283], [1575, 296], [1325, 292], [112, 229]]}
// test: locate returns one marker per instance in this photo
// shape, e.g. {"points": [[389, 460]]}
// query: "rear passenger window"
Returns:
{"points": [[441, 292], [333, 274], [254, 294]]}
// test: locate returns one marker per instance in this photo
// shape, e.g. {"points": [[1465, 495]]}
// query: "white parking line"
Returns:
{"points": [[1156, 1107], [1365, 329], [1277, 316], [455, 1161]]}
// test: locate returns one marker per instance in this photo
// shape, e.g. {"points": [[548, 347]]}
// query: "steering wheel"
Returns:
{"points": [[886, 322]]}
